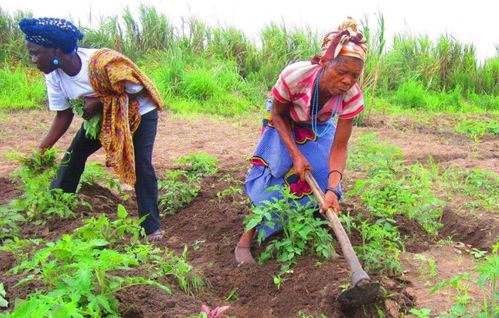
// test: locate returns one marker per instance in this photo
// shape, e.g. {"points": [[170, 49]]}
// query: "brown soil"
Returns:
{"points": [[211, 226]]}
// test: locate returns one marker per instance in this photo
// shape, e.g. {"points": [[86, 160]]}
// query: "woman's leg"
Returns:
{"points": [[243, 248], [72, 165], [146, 187]]}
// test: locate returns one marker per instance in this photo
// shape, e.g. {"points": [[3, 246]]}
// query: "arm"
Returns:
{"points": [[280, 119], [60, 125], [337, 161], [94, 106]]}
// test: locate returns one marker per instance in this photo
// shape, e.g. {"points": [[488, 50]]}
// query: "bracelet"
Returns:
{"points": [[335, 191], [341, 174]]}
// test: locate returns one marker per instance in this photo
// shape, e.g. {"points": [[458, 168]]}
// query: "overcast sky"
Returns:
{"points": [[474, 21]]}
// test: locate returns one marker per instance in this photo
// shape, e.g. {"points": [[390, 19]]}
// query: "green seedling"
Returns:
{"points": [[3, 301]]}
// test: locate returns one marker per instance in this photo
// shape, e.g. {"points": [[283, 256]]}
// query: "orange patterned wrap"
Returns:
{"points": [[109, 71]]}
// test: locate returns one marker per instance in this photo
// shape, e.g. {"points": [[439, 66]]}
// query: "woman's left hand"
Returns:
{"points": [[92, 107], [331, 202]]}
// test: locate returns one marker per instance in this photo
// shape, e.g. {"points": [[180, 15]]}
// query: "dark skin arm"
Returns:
{"points": [[280, 119], [337, 161], [93, 105], [60, 125]]}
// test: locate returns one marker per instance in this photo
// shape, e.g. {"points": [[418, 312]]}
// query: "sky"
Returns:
{"points": [[474, 22]]}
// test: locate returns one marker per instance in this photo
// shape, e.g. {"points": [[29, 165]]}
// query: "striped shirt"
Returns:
{"points": [[296, 85]]}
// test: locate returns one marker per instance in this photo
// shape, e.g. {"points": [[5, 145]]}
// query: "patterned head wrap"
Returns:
{"points": [[346, 40], [51, 33]]}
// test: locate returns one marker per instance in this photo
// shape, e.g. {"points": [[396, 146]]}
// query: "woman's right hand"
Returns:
{"points": [[300, 165]]}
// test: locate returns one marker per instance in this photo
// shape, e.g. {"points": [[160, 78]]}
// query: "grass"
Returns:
{"points": [[21, 88], [219, 70]]}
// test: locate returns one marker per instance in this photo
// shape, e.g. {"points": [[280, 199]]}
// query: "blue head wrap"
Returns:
{"points": [[51, 33]]}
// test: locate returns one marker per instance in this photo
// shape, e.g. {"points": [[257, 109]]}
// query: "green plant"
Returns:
{"points": [[302, 232], [3, 294], [92, 125], [9, 220], [232, 295], [176, 191], [428, 266], [20, 248], [197, 165], [38, 201], [393, 188], [381, 246], [421, 313], [36, 164], [464, 306], [80, 273], [480, 187], [279, 278]]}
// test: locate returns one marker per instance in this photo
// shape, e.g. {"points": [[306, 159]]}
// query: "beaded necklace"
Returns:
{"points": [[315, 110]]}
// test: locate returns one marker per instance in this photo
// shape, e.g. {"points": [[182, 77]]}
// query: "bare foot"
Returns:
{"points": [[243, 255], [155, 236]]}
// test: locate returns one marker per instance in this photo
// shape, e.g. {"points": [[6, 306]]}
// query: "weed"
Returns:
{"points": [[464, 306], [428, 266], [232, 295]]}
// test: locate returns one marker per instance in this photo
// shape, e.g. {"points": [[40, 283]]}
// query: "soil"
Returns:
{"points": [[211, 225]]}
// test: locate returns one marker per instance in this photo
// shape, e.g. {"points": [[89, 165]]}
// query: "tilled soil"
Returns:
{"points": [[211, 225]]}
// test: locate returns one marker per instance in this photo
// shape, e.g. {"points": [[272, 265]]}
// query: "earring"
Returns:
{"points": [[55, 62]]}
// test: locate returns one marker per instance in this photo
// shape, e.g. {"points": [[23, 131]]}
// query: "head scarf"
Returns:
{"points": [[347, 40], [51, 33]]}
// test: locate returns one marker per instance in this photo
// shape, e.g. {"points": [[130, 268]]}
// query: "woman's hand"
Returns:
{"points": [[300, 165], [331, 202], [92, 107]]}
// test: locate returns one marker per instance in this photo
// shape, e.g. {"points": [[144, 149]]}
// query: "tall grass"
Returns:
{"points": [[196, 63], [21, 88]]}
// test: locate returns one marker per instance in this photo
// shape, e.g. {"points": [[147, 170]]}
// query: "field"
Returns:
{"points": [[422, 185], [211, 223]]}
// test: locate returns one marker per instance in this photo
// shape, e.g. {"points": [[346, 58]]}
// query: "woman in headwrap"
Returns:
{"points": [[108, 84], [308, 124]]}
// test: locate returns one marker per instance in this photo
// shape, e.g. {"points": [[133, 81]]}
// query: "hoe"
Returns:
{"points": [[363, 290]]}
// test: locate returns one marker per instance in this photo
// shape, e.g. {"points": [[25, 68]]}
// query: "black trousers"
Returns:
{"points": [[146, 187]]}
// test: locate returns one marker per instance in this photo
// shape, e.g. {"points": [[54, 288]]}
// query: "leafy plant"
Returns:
{"points": [[421, 313], [9, 219], [20, 248], [177, 190], [92, 126], [381, 246], [3, 294], [79, 272], [302, 232], [197, 165], [37, 201]]}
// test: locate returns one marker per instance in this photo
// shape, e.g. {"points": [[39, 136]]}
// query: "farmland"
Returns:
{"points": [[421, 186]]}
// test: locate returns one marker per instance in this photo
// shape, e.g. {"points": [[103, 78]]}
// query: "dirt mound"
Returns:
{"points": [[8, 190], [479, 233]]}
